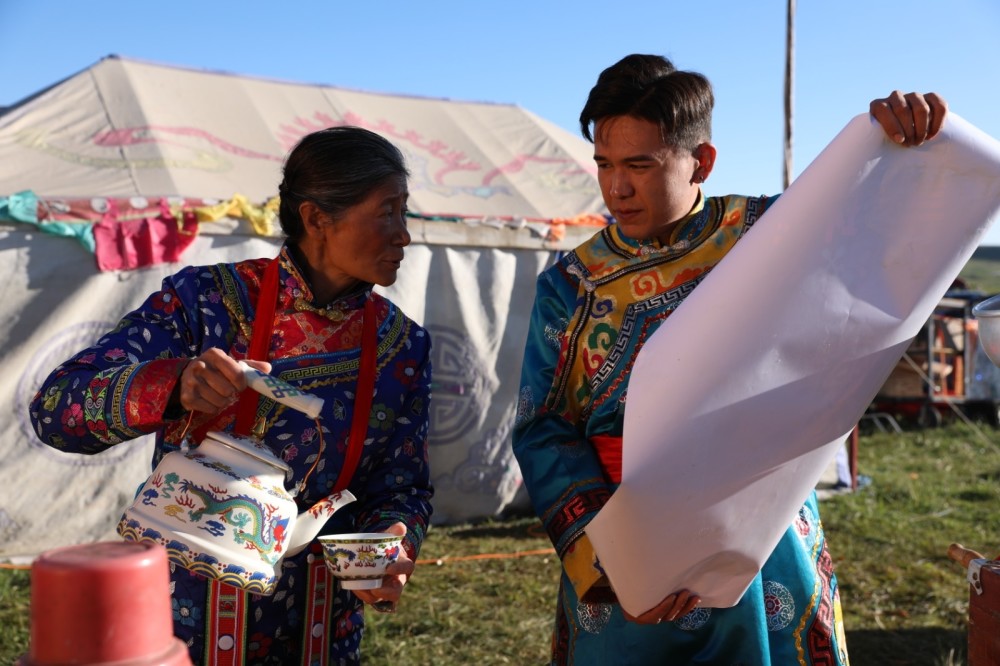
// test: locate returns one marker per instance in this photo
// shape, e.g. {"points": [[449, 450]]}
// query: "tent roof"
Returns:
{"points": [[125, 128]]}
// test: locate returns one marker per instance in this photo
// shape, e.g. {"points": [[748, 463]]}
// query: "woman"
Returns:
{"points": [[343, 210], [593, 311]]}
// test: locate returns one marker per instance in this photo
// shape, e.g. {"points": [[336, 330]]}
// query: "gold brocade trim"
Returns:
{"points": [[333, 312], [687, 233], [308, 378], [235, 309], [817, 588], [119, 403], [330, 374], [799, 649], [232, 303], [604, 267]]}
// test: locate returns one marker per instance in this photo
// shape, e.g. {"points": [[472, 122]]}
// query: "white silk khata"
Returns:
{"points": [[774, 358]]}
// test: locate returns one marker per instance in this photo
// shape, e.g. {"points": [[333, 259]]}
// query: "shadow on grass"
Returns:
{"points": [[974, 496], [907, 647], [509, 527], [990, 476]]}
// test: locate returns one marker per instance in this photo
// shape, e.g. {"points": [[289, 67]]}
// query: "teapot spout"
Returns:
{"points": [[309, 522]]}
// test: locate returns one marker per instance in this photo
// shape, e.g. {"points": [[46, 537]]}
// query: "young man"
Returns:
{"points": [[651, 129]]}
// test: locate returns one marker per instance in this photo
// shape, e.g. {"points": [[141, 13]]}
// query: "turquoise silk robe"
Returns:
{"points": [[593, 311]]}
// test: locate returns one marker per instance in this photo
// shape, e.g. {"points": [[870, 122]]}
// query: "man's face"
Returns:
{"points": [[647, 185]]}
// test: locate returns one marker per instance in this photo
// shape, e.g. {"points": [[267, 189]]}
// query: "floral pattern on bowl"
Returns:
{"points": [[359, 560]]}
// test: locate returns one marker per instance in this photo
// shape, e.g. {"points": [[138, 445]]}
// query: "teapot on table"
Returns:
{"points": [[221, 509]]}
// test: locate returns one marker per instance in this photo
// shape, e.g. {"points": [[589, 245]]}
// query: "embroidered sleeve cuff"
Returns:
{"points": [[585, 573], [149, 390]]}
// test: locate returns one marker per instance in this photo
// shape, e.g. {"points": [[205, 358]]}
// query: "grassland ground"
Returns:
{"points": [[484, 593]]}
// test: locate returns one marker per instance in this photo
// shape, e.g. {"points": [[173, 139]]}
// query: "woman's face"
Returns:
{"points": [[366, 243]]}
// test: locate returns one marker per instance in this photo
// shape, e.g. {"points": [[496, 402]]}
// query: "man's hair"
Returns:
{"points": [[649, 87]]}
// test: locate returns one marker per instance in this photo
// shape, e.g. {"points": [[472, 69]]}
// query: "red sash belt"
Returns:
{"points": [[609, 451]]}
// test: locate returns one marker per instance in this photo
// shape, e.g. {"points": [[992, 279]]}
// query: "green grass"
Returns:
{"points": [[473, 611], [14, 619], [905, 602], [982, 274]]}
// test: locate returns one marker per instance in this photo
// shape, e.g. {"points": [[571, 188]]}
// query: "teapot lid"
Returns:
{"points": [[251, 447]]}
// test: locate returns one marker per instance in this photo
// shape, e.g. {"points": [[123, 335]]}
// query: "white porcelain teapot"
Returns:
{"points": [[221, 509]]}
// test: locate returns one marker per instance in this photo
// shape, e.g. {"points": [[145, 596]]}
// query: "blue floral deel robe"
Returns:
{"points": [[593, 310], [118, 389]]}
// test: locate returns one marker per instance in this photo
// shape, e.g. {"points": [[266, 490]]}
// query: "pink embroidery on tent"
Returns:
{"points": [[130, 136]]}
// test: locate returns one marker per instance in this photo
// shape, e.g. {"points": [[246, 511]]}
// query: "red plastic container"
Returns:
{"points": [[103, 603]]}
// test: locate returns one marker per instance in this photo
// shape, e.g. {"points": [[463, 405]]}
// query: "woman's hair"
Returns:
{"points": [[335, 168], [649, 87]]}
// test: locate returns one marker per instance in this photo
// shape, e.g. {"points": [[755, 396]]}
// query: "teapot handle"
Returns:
{"points": [[281, 391]]}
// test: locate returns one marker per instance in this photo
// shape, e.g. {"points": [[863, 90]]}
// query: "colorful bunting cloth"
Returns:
{"points": [[264, 219], [134, 243], [24, 207], [131, 232]]}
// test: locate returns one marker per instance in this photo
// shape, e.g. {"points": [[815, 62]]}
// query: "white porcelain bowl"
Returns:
{"points": [[359, 560]]}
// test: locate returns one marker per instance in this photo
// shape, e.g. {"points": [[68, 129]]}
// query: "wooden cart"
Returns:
{"points": [[944, 370], [984, 605]]}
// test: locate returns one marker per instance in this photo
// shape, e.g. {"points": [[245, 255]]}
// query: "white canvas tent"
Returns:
{"points": [[123, 138]]}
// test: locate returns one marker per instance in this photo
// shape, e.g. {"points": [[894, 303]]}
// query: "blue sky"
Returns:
{"points": [[544, 55]]}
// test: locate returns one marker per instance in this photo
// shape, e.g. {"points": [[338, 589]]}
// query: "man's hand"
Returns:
{"points": [[674, 606], [910, 119]]}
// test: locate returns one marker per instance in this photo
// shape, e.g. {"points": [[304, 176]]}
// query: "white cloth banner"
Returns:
{"points": [[475, 301], [739, 400]]}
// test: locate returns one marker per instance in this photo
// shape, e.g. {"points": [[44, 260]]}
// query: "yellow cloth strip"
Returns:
{"points": [[263, 219]]}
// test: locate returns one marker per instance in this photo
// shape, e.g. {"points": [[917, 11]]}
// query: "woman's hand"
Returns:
{"points": [[384, 599], [674, 606], [213, 381], [910, 119]]}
